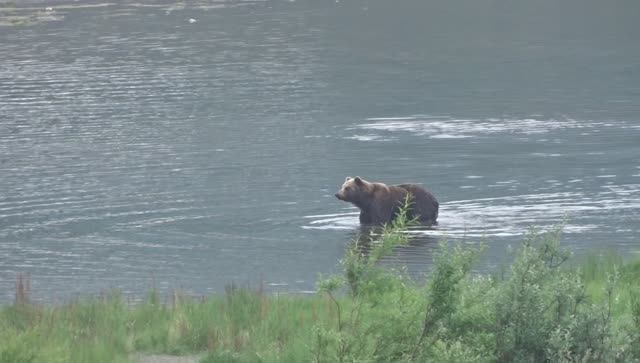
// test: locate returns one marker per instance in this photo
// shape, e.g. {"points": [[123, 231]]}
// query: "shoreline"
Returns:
{"points": [[352, 314]]}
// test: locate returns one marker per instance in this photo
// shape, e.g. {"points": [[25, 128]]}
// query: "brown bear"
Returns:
{"points": [[379, 203]]}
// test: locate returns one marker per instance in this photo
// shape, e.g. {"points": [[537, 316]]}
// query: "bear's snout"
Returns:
{"points": [[338, 196]]}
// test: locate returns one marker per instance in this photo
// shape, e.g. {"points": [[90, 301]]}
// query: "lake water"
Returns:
{"points": [[194, 144]]}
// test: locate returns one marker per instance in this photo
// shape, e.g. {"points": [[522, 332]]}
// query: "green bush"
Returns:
{"points": [[541, 310]]}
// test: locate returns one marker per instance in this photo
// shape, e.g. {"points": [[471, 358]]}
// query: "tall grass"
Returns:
{"points": [[543, 309]]}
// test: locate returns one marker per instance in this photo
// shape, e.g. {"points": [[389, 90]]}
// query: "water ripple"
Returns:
{"points": [[513, 215]]}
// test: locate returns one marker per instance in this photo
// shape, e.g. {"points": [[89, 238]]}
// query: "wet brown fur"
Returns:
{"points": [[379, 203]]}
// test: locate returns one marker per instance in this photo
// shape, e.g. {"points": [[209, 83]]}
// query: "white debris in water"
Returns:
{"points": [[192, 20]]}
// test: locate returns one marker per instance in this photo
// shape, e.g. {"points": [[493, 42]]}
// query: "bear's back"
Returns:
{"points": [[424, 205]]}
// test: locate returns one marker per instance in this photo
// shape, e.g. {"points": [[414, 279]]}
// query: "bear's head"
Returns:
{"points": [[353, 190]]}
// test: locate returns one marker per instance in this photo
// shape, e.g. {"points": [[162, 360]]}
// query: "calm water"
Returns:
{"points": [[194, 146]]}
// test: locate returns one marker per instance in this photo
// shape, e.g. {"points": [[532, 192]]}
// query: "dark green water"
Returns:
{"points": [[200, 143]]}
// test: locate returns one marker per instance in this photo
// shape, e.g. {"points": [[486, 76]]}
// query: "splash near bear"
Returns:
{"points": [[379, 203]]}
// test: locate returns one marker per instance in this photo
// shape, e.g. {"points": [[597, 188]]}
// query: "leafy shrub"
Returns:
{"points": [[540, 311]]}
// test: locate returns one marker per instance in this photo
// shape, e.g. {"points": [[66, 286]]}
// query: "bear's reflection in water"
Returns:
{"points": [[416, 257]]}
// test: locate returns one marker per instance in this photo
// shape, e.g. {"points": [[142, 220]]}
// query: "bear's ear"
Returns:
{"points": [[347, 179], [358, 180]]}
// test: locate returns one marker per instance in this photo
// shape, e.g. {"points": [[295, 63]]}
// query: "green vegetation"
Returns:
{"points": [[541, 309]]}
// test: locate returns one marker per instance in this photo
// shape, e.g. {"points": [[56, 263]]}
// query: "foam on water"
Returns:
{"points": [[368, 138], [446, 127]]}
